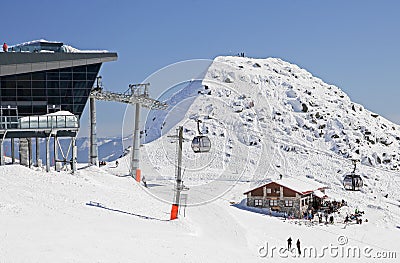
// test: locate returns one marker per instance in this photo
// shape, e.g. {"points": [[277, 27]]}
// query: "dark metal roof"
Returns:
{"points": [[12, 63]]}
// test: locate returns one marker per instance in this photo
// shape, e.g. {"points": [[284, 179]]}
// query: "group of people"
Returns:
{"points": [[326, 214], [289, 241], [333, 206], [356, 216], [324, 211]]}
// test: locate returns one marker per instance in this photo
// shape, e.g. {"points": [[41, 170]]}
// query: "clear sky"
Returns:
{"points": [[352, 44]]}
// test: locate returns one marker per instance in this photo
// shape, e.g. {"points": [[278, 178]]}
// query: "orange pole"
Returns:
{"points": [[138, 172], [174, 212]]}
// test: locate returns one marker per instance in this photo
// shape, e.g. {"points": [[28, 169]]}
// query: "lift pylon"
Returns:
{"points": [[136, 94]]}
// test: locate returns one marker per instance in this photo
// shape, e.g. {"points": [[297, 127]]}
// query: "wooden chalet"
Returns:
{"points": [[292, 195]]}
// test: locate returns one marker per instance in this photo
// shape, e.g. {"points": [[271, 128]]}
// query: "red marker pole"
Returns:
{"points": [[138, 175]]}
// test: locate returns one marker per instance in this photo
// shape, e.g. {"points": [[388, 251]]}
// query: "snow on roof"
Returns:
{"points": [[302, 186], [64, 48], [319, 194], [60, 113], [37, 41], [70, 49]]}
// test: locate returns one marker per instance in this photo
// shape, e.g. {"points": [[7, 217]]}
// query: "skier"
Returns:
{"points": [[5, 47], [298, 246], [346, 220], [144, 181], [289, 243], [116, 163]]}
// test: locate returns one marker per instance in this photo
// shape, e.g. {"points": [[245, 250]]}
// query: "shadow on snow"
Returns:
{"points": [[99, 205], [264, 211]]}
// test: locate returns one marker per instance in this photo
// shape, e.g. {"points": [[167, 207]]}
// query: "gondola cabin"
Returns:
{"points": [[352, 182], [201, 144]]}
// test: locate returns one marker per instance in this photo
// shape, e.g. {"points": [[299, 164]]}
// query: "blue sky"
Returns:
{"points": [[352, 44]]}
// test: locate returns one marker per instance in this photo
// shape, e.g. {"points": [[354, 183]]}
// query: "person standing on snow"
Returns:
{"points": [[289, 243], [5, 47], [298, 246]]}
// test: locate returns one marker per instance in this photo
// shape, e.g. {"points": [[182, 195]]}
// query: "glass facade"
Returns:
{"points": [[36, 93]]}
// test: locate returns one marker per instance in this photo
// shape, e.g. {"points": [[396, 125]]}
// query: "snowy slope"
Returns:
{"points": [[267, 117], [95, 216], [274, 97]]}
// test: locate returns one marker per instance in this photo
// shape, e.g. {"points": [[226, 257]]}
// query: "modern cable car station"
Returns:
{"points": [[44, 87]]}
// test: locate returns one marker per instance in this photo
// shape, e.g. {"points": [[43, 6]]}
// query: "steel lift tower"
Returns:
{"points": [[137, 94]]}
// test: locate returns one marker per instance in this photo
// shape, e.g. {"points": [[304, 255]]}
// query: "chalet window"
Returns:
{"points": [[268, 190], [288, 202], [276, 190], [273, 202], [258, 202]]}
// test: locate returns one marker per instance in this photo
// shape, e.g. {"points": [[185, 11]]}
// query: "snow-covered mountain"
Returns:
{"points": [[267, 117], [275, 98]]}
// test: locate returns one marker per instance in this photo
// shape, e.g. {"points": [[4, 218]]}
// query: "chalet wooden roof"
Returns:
{"points": [[300, 185]]}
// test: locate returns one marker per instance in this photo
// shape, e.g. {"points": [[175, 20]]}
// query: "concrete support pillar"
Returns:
{"points": [[12, 150], [37, 151], [2, 161], [56, 164], [74, 154], [93, 150], [30, 152], [47, 153], [23, 151], [136, 145]]}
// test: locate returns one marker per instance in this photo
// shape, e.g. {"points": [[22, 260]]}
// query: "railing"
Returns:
{"points": [[8, 122], [40, 122]]}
